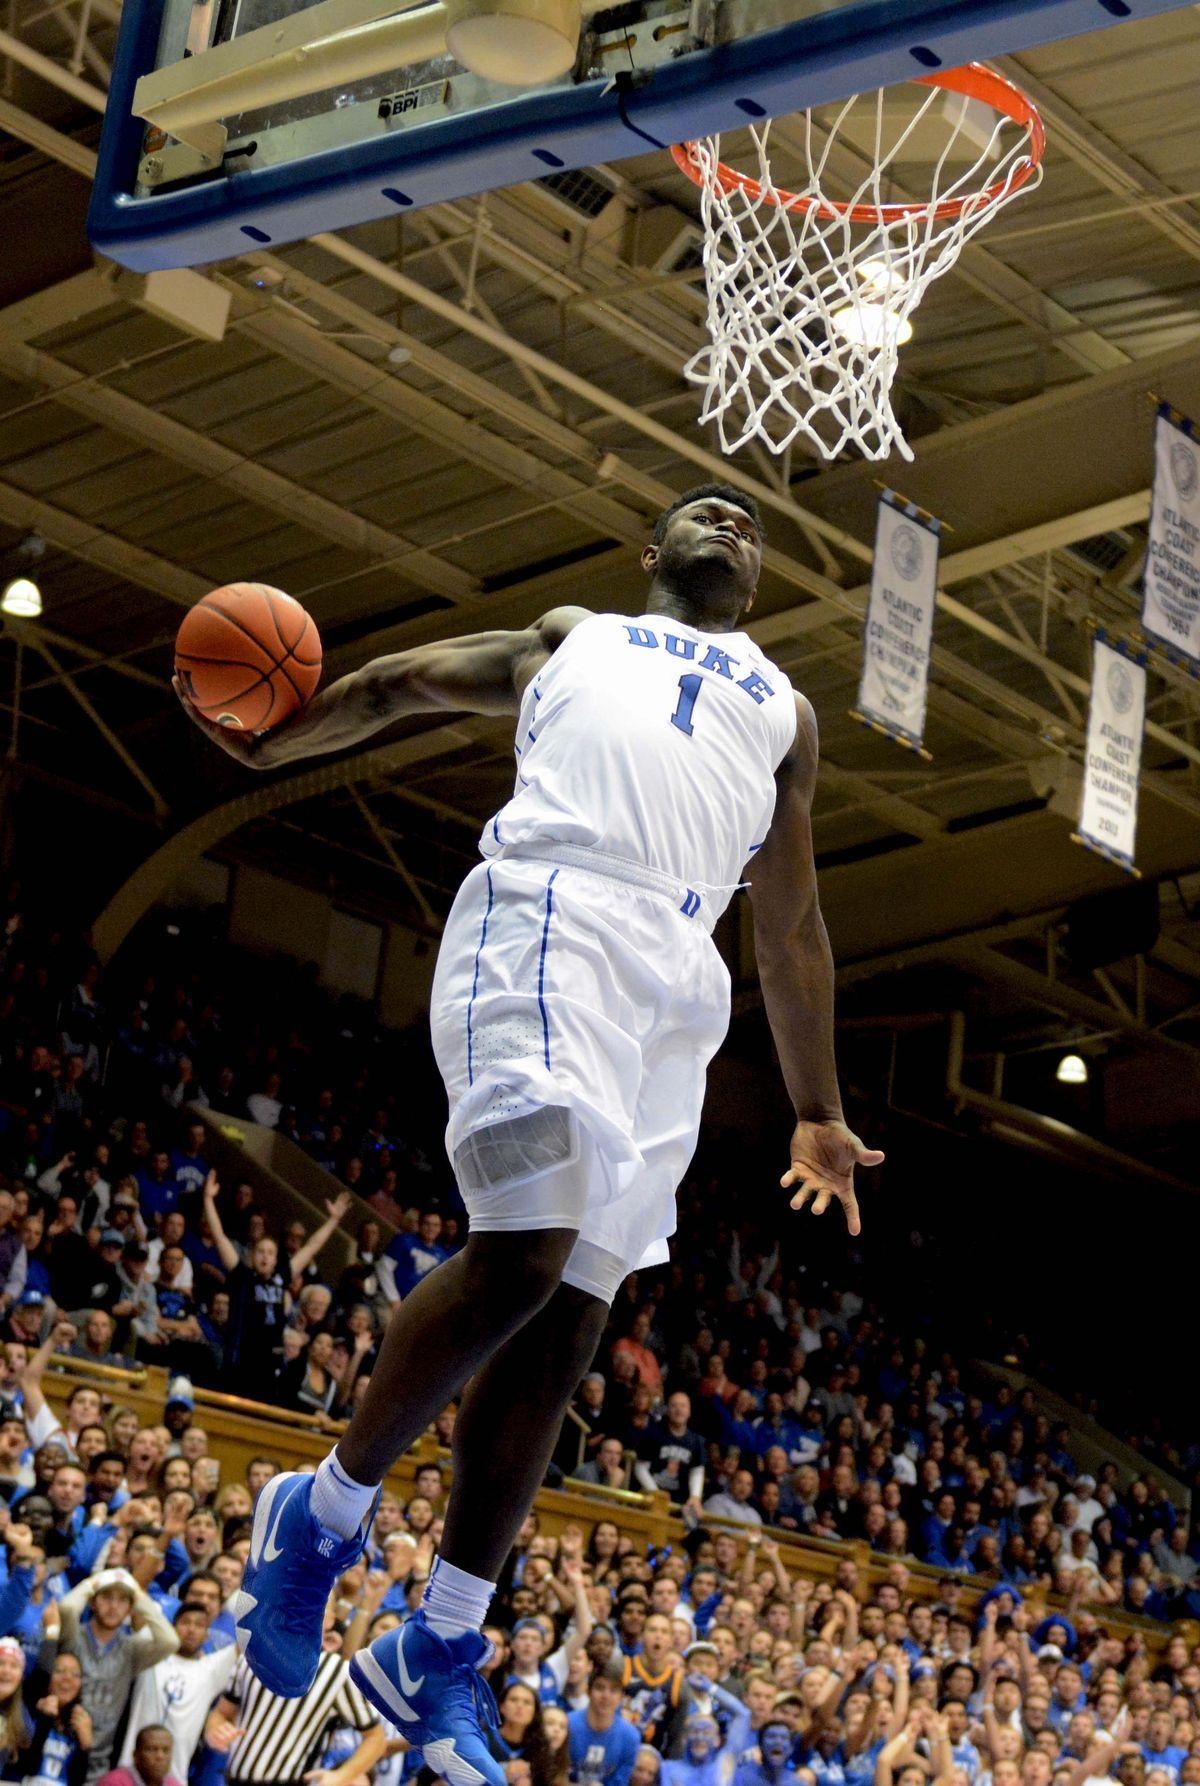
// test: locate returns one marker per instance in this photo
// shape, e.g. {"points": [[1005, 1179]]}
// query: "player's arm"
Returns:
{"points": [[479, 673], [795, 970]]}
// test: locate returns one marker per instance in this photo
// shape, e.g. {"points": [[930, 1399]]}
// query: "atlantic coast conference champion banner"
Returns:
{"points": [[1108, 822], [1171, 602], [895, 673]]}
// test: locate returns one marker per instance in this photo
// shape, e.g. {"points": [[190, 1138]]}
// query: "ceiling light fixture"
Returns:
{"points": [[871, 325], [22, 599], [1072, 1070]]}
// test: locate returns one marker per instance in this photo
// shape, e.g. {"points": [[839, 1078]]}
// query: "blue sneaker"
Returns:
{"points": [[432, 1691], [279, 1614]]}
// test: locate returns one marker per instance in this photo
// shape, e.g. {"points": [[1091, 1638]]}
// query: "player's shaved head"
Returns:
{"points": [[714, 492]]}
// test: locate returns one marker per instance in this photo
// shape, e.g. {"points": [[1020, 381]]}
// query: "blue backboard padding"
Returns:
{"points": [[824, 58]]}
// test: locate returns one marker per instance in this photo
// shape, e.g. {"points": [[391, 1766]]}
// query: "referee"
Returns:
{"points": [[279, 1741]]}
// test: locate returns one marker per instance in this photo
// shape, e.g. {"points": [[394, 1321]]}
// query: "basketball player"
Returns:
{"points": [[577, 1002]]}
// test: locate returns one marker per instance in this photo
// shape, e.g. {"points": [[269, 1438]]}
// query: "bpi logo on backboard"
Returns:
{"points": [[1184, 469], [908, 552], [1120, 686]]}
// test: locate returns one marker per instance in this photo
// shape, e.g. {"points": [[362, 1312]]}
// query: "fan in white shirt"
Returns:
{"points": [[178, 1691]]}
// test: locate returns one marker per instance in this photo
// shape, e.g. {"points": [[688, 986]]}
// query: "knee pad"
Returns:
{"points": [[594, 1271]]}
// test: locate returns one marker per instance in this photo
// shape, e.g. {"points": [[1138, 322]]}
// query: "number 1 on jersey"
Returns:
{"points": [[689, 692]]}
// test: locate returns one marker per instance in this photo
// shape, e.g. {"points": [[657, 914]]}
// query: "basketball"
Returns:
{"points": [[248, 656]]}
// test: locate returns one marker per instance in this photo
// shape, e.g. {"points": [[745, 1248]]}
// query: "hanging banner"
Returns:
{"points": [[895, 672], [1171, 598], [1108, 821]]}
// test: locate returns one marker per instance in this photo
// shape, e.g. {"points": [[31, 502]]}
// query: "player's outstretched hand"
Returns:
{"points": [[824, 1155]]}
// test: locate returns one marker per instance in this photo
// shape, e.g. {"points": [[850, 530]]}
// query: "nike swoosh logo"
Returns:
{"points": [[408, 1686], [369, 1677], [271, 1551]]}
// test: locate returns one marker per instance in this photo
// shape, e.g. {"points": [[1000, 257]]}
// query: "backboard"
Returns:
{"points": [[237, 123]]}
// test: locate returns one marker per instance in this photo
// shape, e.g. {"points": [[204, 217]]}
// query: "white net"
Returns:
{"points": [[810, 295]]}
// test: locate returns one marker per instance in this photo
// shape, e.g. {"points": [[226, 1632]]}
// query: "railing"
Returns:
{"points": [[240, 1430]]}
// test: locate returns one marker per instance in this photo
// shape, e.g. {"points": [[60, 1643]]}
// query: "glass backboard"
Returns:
{"points": [[235, 123]]}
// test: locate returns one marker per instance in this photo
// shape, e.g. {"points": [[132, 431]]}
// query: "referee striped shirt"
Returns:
{"points": [[285, 1737]]}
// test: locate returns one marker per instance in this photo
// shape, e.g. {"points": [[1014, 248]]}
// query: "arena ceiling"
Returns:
{"points": [[464, 418]]}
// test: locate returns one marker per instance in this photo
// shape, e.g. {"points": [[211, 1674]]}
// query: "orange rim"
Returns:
{"points": [[976, 82]]}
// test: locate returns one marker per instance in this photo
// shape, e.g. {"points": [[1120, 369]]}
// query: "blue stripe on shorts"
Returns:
{"points": [[475, 983], [542, 965]]}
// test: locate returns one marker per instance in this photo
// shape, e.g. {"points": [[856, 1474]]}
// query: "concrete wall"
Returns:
{"points": [[288, 1185], [384, 963]]}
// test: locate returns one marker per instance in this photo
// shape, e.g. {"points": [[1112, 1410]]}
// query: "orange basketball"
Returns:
{"points": [[248, 656]]}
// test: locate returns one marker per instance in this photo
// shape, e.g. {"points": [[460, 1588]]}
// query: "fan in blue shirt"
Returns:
{"points": [[411, 1257], [601, 1745], [188, 1164]]}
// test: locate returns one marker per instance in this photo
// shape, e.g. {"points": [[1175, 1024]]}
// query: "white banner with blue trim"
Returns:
{"points": [[1171, 595], [1108, 821], [899, 630]]}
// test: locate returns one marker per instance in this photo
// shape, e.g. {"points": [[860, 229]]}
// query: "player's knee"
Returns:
{"points": [[517, 1274]]}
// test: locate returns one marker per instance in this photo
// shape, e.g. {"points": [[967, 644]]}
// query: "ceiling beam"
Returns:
{"points": [[1050, 536], [1110, 166], [112, 409], [158, 873], [43, 137], [84, 540], [349, 371], [678, 445], [115, 744]]}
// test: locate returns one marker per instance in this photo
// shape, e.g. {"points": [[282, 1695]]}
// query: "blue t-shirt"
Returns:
{"points": [[189, 1171], [157, 1199], [860, 1769], [714, 1771], [1172, 1758], [601, 1757], [749, 1774], [413, 1261], [173, 1304]]}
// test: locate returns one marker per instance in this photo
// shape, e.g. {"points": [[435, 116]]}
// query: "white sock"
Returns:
{"points": [[454, 1601], [339, 1502]]}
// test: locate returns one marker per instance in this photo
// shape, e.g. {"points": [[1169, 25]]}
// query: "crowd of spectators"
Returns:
{"points": [[110, 1211], [763, 1402], [709, 1661]]}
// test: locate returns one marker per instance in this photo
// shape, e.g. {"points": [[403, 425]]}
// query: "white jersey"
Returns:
{"points": [[652, 742]]}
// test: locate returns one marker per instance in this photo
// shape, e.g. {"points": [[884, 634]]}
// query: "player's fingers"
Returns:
{"points": [[853, 1220], [802, 1196], [823, 1199], [867, 1156]]}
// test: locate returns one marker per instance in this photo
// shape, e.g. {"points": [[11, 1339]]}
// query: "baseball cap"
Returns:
{"points": [[31, 1299], [1085, 1481], [700, 1649], [528, 1625], [112, 1237], [180, 1393], [1049, 1652]]}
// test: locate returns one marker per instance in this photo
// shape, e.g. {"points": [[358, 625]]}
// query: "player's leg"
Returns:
{"points": [[440, 1335], [308, 1529], [421, 1676], [508, 1426]]}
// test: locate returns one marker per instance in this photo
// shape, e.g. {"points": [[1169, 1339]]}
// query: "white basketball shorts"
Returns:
{"points": [[560, 987]]}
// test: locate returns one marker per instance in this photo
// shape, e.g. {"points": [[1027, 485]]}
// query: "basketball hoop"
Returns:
{"points": [[810, 297]]}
